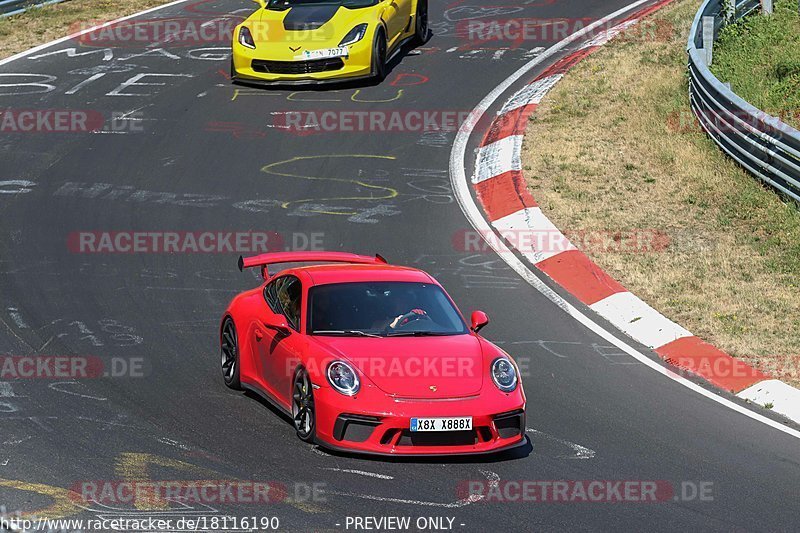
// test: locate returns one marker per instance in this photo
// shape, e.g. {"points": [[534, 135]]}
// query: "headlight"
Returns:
{"points": [[246, 38], [355, 35], [343, 378], [504, 374]]}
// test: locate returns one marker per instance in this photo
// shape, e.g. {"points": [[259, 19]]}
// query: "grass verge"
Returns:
{"points": [[612, 148], [759, 57], [44, 24]]}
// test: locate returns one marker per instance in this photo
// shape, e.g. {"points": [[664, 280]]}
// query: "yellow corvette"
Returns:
{"points": [[316, 41]]}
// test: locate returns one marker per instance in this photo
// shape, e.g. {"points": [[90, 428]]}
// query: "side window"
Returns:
{"points": [[289, 293], [271, 295]]}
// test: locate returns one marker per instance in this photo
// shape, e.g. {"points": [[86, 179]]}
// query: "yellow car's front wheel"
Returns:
{"points": [[379, 56], [421, 27]]}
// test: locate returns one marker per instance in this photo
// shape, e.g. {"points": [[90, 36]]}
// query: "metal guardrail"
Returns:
{"points": [[764, 145], [15, 7]]}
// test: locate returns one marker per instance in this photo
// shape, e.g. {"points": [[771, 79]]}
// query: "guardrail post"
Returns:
{"points": [[708, 39], [766, 7], [730, 10]]}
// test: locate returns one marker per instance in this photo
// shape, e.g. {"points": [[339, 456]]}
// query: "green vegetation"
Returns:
{"points": [[760, 57]]}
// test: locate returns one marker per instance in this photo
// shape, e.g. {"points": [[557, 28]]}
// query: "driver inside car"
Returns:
{"points": [[402, 311]]}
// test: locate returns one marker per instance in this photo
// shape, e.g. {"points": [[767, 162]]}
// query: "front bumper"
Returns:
{"points": [[262, 66], [498, 421]]}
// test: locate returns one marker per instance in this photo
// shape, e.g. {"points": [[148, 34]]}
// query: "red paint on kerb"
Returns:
{"points": [[508, 124], [504, 195], [710, 363], [580, 276]]}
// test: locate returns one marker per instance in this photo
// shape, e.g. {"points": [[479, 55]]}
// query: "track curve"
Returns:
{"points": [[190, 152]]}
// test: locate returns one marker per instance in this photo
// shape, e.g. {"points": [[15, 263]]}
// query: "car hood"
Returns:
{"points": [[315, 26], [415, 367]]}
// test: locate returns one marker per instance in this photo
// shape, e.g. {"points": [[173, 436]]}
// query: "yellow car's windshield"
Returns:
{"points": [[351, 4]]}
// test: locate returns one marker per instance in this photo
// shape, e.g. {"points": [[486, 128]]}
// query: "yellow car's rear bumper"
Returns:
{"points": [[277, 66]]}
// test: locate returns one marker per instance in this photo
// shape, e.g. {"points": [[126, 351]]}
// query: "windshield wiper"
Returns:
{"points": [[353, 332], [419, 334]]}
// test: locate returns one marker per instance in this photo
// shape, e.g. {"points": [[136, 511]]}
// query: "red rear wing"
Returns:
{"points": [[306, 257]]}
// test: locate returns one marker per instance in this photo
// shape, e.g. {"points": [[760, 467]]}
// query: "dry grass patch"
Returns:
{"points": [[44, 24], [606, 151]]}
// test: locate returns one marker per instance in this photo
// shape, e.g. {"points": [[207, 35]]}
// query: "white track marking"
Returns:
{"points": [[461, 187], [14, 442], [15, 315], [581, 452], [58, 384], [453, 505], [316, 449], [171, 442], [493, 478], [360, 473]]}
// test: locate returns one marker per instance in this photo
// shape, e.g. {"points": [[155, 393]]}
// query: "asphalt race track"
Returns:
{"points": [[188, 151]]}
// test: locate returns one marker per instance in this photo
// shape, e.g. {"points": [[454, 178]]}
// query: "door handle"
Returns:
{"points": [[259, 334]]}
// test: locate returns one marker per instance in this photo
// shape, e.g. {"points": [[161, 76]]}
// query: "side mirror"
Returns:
{"points": [[279, 324], [479, 319], [262, 3]]}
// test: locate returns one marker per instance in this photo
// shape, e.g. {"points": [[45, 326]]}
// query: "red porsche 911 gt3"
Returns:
{"points": [[372, 358]]}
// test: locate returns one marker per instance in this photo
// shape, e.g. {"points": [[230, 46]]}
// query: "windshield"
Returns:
{"points": [[350, 4], [382, 308]]}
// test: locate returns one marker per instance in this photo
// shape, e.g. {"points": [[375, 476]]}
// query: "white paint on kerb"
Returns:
{"points": [[784, 398], [499, 157], [531, 94], [638, 320], [532, 233]]}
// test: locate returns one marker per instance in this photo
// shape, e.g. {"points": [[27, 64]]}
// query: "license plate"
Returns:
{"points": [[342, 51], [442, 424]]}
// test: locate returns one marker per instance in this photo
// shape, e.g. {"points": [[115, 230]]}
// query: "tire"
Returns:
{"points": [[421, 23], [379, 51], [229, 354], [304, 415], [233, 71]]}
